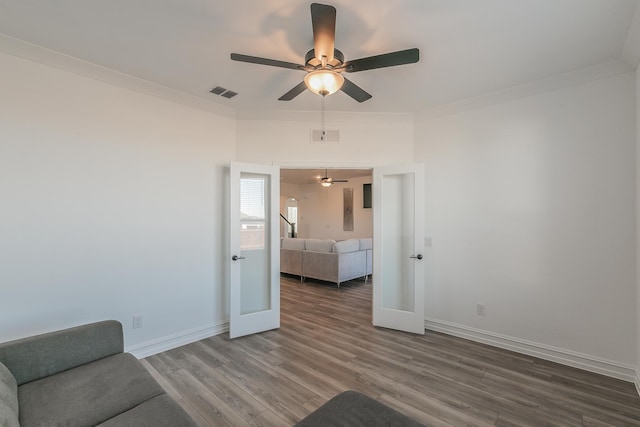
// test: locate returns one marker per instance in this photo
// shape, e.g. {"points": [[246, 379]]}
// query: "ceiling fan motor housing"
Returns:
{"points": [[311, 60]]}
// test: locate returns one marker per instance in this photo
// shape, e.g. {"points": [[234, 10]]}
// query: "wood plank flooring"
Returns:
{"points": [[326, 344]]}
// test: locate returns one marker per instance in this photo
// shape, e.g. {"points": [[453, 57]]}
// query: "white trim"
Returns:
{"points": [[322, 165], [90, 70], [572, 78], [630, 54], [587, 362], [331, 116], [637, 380], [631, 49], [159, 345]]}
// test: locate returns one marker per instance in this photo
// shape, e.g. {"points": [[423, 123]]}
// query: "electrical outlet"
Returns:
{"points": [[137, 321], [481, 310]]}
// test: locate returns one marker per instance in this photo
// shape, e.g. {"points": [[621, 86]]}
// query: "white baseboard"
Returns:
{"points": [[566, 357], [159, 345]]}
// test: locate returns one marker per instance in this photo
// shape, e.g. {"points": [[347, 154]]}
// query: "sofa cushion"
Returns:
{"points": [[317, 245], [161, 411], [9, 410], [350, 245], [291, 243], [366, 243], [87, 395]]}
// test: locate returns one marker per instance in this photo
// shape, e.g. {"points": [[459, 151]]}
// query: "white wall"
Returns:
{"points": [[366, 139], [530, 205], [320, 211], [112, 205]]}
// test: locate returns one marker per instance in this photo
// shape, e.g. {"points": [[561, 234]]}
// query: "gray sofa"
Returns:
{"points": [[327, 259], [81, 377]]}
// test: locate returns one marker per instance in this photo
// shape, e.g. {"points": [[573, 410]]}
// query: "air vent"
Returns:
{"points": [[218, 90], [325, 137]]}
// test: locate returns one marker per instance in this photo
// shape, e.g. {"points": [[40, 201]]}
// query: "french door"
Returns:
{"points": [[398, 242], [254, 249]]}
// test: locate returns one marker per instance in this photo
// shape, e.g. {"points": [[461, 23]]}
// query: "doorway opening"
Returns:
{"points": [[339, 211]]}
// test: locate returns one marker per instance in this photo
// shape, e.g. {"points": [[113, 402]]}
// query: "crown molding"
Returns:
{"points": [[572, 78], [631, 49], [83, 68], [331, 116], [630, 57]]}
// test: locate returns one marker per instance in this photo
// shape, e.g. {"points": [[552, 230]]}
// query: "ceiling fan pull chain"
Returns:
{"points": [[322, 129]]}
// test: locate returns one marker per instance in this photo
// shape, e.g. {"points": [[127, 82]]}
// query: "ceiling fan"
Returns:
{"points": [[326, 181], [324, 63]]}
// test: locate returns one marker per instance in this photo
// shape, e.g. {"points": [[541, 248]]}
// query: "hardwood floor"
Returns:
{"points": [[326, 344]]}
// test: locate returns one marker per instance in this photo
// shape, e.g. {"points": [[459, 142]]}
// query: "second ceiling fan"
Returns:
{"points": [[325, 64], [326, 181]]}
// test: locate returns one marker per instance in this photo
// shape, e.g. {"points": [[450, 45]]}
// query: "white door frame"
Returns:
{"points": [[387, 321]]}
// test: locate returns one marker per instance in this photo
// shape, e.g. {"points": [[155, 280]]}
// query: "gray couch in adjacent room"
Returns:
{"points": [[81, 377], [326, 259]]}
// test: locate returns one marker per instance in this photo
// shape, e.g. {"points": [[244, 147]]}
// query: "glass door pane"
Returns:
{"points": [[255, 288], [254, 248], [398, 242]]}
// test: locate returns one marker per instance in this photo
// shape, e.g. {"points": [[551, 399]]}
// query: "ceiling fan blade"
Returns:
{"points": [[401, 57], [323, 19], [265, 61], [354, 91], [339, 180], [301, 87]]}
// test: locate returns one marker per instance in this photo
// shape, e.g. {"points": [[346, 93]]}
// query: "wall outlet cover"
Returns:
{"points": [[481, 310], [137, 321]]}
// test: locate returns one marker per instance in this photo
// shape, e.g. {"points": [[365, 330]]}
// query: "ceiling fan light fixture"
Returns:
{"points": [[326, 183], [324, 82]]}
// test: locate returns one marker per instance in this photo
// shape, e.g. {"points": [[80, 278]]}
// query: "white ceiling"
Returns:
{"points": [[468, 47]]}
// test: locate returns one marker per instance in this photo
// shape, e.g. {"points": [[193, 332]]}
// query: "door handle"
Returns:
{"points": [[419, 256], [236, 257]]}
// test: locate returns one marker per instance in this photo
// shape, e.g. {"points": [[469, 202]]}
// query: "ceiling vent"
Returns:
{"points": [[223, 92], [331, 136], [229, 94]]}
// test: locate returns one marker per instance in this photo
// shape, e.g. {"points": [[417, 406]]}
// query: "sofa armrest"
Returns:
{"points": [[320, 265], [291, 261], [352, 265], [39, 356]]}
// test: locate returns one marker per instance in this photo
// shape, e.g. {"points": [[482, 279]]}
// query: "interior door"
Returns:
{"points": [[398, 242], [254, 249]]}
